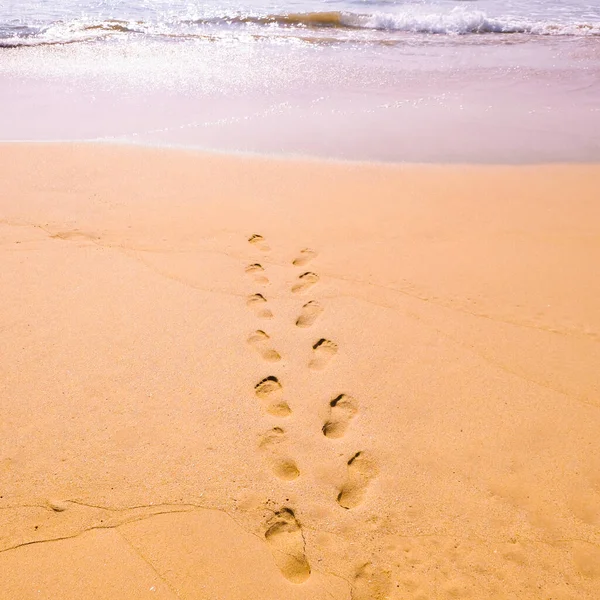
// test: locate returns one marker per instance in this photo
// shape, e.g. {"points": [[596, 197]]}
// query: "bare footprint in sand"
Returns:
{"points": [[343, 409], [257, 302], [304, 257], [305, 281], [370, 584], [286, 541], [309, 314], [259, 340], [360, 473], [323, 352], [270, 391], [259, 242], [282, 467], [257, 272]]}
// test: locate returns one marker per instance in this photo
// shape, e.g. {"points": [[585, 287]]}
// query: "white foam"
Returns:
{"points": [[416, 20], [69, 32], [461, 21]]}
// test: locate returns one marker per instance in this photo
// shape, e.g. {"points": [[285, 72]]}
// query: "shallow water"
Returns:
{"points": [[441, 81]]}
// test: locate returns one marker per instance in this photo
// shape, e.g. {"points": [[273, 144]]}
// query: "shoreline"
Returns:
{"points": [[359, 103], [248, 377], [293, 158]]}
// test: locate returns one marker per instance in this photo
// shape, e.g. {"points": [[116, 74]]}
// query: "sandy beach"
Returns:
{"points": [[249, 378]]}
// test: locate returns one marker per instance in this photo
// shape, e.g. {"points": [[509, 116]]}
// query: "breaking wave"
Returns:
{"points": [[456, 22]]}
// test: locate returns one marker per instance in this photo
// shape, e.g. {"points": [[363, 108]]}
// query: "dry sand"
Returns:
{"points": [[238, 378]]}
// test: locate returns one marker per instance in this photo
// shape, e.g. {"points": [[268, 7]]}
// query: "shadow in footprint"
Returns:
{"points": [[257, 272], [323, 352], [257, 302], [342, 411], [304, 257], [360, 473], [309, 314], [282, 467], [284, 536], [305, 282], [270, 391], [259, 340], [259, 242]]}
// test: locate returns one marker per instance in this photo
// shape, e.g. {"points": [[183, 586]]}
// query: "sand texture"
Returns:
{"points": [[247, 379]]}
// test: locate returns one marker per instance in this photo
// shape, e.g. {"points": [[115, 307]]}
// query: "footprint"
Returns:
{"points": [[283, 468], [257, 303], [306, 280], [324, 350], [259, 241], [285, 538], [343, 409], [259, 340], [273, 436], [270, 391], [370, 584], [257, 272], [360, 472], [286, 470], [309, 314], [304, 257]]}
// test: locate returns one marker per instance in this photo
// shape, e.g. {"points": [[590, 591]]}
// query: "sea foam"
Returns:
{"points": [[456, 22]]}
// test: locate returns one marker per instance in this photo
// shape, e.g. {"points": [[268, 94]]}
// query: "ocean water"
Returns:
{"points": [[374, 21], [399, 80]]}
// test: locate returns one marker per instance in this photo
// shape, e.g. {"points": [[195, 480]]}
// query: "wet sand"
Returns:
{"points": [[445, 99], [232, 377]]}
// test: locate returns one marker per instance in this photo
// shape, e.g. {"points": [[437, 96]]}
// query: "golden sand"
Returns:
{"points": [[238, 378]]}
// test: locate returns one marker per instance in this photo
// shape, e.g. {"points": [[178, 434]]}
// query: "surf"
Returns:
{"points": [[457, 22]]}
